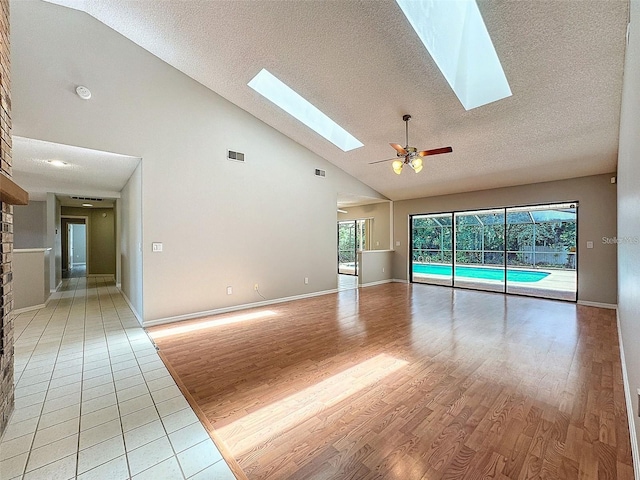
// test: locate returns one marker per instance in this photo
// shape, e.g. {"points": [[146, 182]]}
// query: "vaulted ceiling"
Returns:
{"points": [[363, 65]]}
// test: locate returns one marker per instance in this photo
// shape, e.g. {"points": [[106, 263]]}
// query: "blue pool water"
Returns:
{"points": [[481, 272]]}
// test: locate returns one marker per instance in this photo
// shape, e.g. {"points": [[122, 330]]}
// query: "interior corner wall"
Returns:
{"points": [[629, 219], [381, 215], [597, 272], [131, 241], [30, 225], [268, 220]]}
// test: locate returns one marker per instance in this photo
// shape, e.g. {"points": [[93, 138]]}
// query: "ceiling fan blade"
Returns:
{"points": [[398, 148], [387, 160], [435, 151]]}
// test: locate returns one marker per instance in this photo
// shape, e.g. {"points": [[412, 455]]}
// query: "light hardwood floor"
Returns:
{"points": [[410, 382]]}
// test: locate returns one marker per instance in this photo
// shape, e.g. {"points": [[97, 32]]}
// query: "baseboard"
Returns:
{"points": [[217, 311], [18, 311], [54, 290], [627, 395], [611, 306], [399, 280], [101, 275], [126, 299], [379, 282]]}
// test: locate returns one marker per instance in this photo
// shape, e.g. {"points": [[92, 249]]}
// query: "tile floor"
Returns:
{"points": [[94, 400]]}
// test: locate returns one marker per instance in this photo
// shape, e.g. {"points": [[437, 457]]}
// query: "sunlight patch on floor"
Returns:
{"points": [[215, 322], [275, 419]]}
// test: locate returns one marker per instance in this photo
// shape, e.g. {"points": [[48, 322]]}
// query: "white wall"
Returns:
{"points": [[130, 240], [629, 215], [268, 221], [30, 225]]}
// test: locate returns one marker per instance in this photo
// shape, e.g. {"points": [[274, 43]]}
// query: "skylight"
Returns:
{"points": [[457, 39], [291, 102]]}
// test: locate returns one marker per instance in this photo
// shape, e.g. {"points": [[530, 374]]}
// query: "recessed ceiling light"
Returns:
{"points": [[57, 163], [87, 205], [457, 39], [295, 105]]}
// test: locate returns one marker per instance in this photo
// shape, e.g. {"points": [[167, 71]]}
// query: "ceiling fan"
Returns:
{"points": [[410, 155]]}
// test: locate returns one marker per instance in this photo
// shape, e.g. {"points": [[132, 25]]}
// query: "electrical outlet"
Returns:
{"points": [[382, 269], [156, 247], [397, 243], [306, 280], [229, 290], [255, 287]]}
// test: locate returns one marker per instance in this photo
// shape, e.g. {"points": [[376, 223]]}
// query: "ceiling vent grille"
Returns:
{"points": [[87, 198], [237, 156], [320, 173]]}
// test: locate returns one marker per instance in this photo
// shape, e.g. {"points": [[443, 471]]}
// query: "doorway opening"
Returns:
{"points": [[75, 243], [353, 235]]}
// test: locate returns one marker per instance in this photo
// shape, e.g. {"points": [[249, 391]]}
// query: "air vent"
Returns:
{"points": [[87, 198], [320, 173], [237, 156]]}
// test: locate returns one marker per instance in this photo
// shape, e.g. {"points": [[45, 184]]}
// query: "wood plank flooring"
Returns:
{"points": [[410, 382]]}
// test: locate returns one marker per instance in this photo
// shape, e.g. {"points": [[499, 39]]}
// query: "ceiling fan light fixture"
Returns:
{"points": [[418, 168], [397, 166], [416, 164]]}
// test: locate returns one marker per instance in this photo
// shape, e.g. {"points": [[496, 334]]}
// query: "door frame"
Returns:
{"points": [[65, 239]]}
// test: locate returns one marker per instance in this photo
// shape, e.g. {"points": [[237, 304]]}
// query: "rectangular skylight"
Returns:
{"points": [[291, 102], [457, 39]]}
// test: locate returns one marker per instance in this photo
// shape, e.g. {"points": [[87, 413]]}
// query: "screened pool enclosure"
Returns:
{"points": [[528, 250]]}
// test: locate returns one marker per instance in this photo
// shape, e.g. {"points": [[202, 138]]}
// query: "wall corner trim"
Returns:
{"points": [[635, 453], [217, 311], [126, 299], [586, 303], [18, 311]]}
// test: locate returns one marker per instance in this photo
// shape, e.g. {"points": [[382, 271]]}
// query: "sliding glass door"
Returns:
{"points": [[480, 250], [431, 249], [542, 249], [347, 248], [528, 250], [352, 236]]}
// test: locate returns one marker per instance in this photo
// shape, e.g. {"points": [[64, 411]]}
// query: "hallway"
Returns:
{"points": [[94, 400]]}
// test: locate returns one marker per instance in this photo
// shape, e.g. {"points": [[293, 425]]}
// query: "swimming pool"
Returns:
{"points": [[526, 276]]}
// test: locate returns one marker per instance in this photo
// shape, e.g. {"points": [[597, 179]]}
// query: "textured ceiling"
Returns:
{"points": [[87, 173], [362, 64]]}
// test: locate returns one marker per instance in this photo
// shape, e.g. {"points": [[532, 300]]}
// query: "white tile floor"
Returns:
{"points": [[94, 400]]}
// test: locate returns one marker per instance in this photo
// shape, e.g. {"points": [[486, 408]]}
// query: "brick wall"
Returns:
{"points": [[6, 228]]}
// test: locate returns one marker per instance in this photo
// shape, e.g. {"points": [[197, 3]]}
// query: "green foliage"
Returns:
{"points": [[480, 240]]}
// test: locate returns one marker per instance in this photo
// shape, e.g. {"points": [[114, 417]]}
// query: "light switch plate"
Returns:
{"points": [[589, 244], [156, 247]]}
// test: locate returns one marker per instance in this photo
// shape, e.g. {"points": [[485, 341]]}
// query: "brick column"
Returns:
{"points": [[6, 227]]}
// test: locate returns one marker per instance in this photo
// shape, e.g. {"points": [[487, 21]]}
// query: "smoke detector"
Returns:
{"points": [[83, 92]]}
